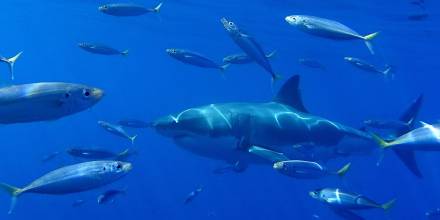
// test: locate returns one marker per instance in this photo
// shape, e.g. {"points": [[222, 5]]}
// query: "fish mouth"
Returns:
{"points": [[313, 194], [97, 93], [291, 19], [127, 167], [102, 8], [278, 165]]}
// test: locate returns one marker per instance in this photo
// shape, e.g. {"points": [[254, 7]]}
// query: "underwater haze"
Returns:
{"points": [[147, 84]]}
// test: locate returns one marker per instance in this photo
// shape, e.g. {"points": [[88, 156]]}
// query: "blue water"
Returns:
{"points": [[148, 84]]}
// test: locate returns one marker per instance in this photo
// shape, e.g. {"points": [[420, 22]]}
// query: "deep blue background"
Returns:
{"points": [[148, 84]]}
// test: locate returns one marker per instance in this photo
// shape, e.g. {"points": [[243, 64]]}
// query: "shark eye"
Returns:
{"points": [[66, 95]]}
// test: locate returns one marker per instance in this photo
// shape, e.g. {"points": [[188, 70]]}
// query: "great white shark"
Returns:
{"points": [[262, 132]]}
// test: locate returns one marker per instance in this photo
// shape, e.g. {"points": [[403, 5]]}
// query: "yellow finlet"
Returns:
{"points": [[382, 143]]}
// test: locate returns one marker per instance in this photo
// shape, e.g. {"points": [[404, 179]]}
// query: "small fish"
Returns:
{"points": [[192, 195], [249, 46], [127, 9], [98, 154], [11, 62], [311, 63], [117, 130], [364, 65], [433, 214], [101, 49], [307, 169], [48, 100], [71, 179], [50, 156], [425, 138], [336, 198], [195, 59], [134, 123], [243, 58], [109, 196], [78, 203], [418, 16], [388, 125], [329, 29]]}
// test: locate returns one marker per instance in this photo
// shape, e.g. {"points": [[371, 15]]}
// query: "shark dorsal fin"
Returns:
{"points": [[290, 94]]}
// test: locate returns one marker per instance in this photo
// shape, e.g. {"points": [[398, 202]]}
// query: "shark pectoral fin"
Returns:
{"points": [[290, 94], [267, 154], [409, 159]]}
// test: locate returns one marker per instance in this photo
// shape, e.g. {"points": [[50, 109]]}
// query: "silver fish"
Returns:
{"points": [[307, 169], [128, 9], [328, 29], [243, 58], [45, 101], [101, 49], [117, 130], [249, 46], [71, 179], [364, 65], [194, 58]]}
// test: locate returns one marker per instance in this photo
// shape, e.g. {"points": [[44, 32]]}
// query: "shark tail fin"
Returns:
{"points": [[382, 143], [387, 206], [133, 138], [158, 7], [14, 192], [124, 53], [11, 62], [341, 172], [271, 54], [368, 39]]}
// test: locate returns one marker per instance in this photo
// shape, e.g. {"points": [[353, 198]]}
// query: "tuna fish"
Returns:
{"points": [[128, 9], [329, 29], [72, 179], [45, 101]]}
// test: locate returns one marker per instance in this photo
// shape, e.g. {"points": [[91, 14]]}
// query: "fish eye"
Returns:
{"points": [[103, 169], [231, 23], [86, 93], [119, 166]]}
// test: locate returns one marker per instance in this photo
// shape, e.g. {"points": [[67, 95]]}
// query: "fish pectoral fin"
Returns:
{"points": [[346, 214]]}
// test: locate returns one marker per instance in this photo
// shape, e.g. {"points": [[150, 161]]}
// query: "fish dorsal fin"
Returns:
{"points": [[290, 94], [424, 124]]}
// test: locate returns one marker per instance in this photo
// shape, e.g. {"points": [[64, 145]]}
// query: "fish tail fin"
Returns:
{"points": [[14, 192], [387, 206], [224, 67], [388, 72], [133, 138], [341, 172], [123, 154], [11, 61], [157, 8], [382, 143], [369, 38], [271, 54], [125, 52], [276, 77]]}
